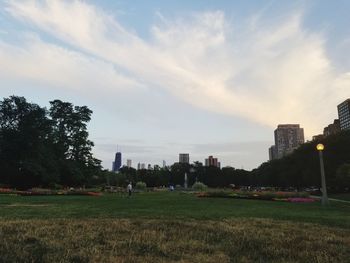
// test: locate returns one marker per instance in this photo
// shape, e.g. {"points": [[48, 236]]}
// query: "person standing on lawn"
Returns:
{"points": [[129, 188]]}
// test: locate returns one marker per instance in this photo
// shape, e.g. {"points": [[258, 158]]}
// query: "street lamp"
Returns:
{"points": [[320, 148]]}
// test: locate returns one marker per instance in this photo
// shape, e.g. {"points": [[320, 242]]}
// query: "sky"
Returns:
{"points": [[168, 77]]}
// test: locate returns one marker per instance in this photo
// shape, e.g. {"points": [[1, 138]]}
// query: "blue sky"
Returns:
{"points": [[164, 77]]}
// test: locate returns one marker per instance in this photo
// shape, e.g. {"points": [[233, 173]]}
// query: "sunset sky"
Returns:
{"points": [[168, 77]]}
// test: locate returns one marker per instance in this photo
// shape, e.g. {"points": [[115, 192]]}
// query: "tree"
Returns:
{"points": [[343, 177], [25, 140], [38, 150], [301, 168], [71, 143]]}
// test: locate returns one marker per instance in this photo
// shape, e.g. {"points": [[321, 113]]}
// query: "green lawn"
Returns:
{"points": [[169, 205], [344, 196], [170, 227]]}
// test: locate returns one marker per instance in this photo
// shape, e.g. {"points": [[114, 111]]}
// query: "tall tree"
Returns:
{"points": [[72, 145], [25, 137]]}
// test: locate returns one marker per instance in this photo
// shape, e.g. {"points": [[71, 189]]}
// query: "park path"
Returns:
{"points": [[332, 199]]}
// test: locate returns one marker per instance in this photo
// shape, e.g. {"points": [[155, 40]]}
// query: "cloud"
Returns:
{"points": [[60, 67], [269, 73]]}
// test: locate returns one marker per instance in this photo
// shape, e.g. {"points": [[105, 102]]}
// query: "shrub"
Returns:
{"points": [[141, 185], [199, 186]]}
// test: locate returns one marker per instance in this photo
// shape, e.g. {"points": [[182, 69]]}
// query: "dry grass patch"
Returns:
{"points": [[130, 240]]}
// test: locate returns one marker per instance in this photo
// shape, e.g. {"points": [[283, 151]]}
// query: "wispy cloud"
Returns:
{"points": [[269, 73]]}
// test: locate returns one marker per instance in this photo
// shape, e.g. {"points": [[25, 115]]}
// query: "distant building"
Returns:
{"points": [[143, 166], [138, 166], [344, 115], [318, 137], [128, 163], [164, 164], [184, 158], [331, 129], [211, 161], [288, 137], [149, 167], [272, 153], [117, 162]]}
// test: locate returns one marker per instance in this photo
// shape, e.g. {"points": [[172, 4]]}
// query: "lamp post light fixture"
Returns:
{"points": [[320, 148]]}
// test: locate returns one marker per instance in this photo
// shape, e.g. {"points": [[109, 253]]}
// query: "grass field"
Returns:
{"points": [[170, 227], [344, 196]]}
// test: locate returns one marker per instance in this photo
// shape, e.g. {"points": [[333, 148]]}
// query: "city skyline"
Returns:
{"points": [[165, 77]]}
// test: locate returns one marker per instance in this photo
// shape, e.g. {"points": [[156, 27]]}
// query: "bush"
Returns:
{"points": [[199, 186], [141, 185]]}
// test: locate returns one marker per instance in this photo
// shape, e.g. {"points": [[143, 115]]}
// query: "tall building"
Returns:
{"points": [[143, 166], [331, 129], [288, 137], [211, 161], [272, 153], [128, 163], [117, 162], [164, 164], [184, 158], [344, 115], [139, 166]]}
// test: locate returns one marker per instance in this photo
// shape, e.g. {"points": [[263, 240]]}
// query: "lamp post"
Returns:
{"points": [[320, 148]]}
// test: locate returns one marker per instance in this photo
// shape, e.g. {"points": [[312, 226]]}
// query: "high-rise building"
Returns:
{"points": [[288, 137], [211, 161], [184, 158], [143, 166], [344, 115], [333, 128], [164, 164], [138, 166], [117, 162], [272, 153], [128, 163]]}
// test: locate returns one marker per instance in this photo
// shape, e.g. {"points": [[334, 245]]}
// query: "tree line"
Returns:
{"points": [[302, 167], [50, 147], [175, 175], [299, 170]]}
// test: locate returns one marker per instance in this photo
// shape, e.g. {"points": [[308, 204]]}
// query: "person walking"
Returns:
{"points": [[129, 188]]}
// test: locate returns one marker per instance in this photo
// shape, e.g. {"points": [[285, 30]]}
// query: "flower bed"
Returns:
{"points": [[5, 191], [265, 195], [46, 192]]}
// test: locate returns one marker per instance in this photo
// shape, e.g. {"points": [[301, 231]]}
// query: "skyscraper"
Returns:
{"points": [[344, 115], [184, 158], [272, 153], [288, 137], [211, 161], [117, 162], [331, 129], [128, 163]]}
